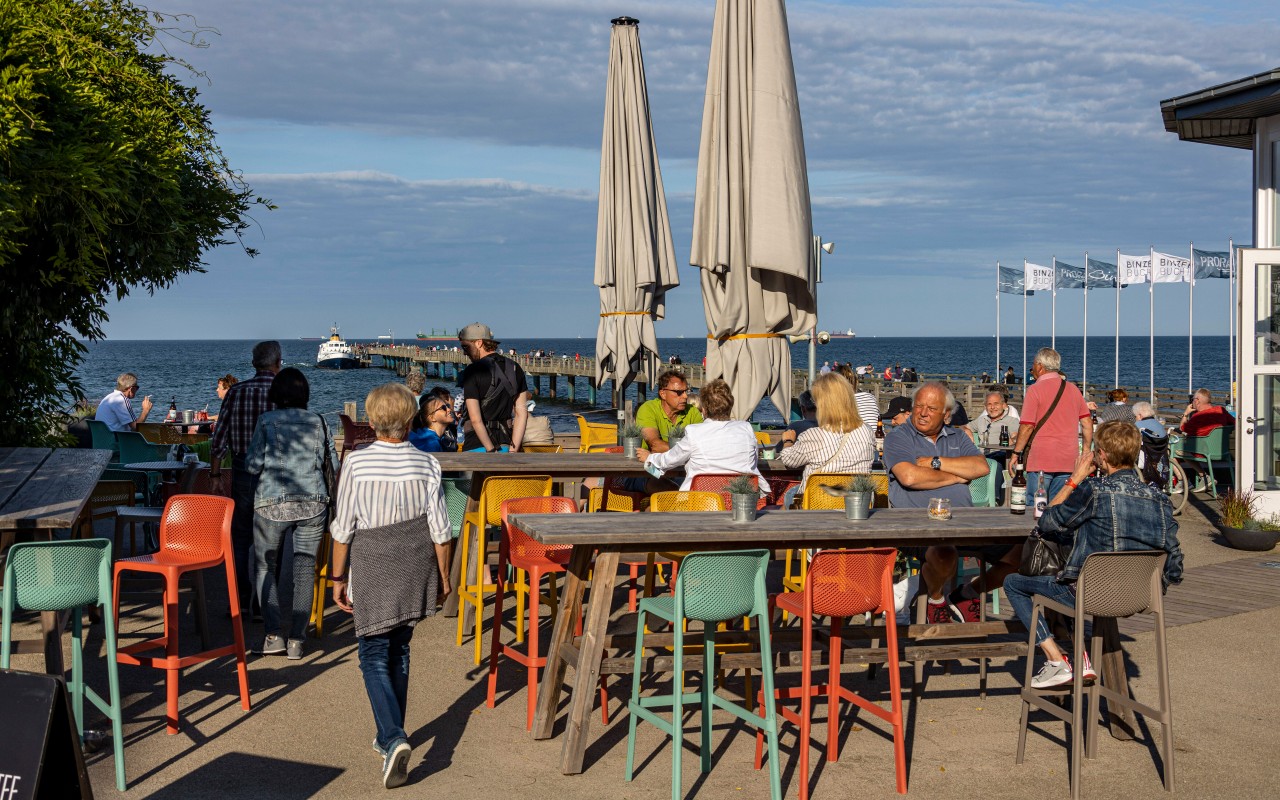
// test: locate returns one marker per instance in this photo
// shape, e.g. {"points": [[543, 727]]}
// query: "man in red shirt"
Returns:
{"points": [[1055, 448], [1203, 416]]}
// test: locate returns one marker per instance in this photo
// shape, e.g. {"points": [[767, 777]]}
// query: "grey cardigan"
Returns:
{"points": [[399, 576]]}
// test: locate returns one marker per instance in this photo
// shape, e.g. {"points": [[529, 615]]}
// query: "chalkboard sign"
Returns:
{"points": [[41, 756]]}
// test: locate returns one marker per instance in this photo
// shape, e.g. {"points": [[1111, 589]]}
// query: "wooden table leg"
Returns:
{"points": [[586, 676], [1114, 677], [544, 717]]}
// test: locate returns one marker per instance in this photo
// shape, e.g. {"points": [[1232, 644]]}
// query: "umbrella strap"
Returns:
{"points": [[625, 314], [746, 336]]}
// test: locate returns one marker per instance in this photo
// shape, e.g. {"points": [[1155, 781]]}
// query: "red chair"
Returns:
{"points": [[719, 481], [195, 534], [354, 435], [842, 583], [612, 497]]}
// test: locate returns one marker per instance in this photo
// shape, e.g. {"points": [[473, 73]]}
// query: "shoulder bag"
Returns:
{"points": [[1041, 557], [326, 469]]}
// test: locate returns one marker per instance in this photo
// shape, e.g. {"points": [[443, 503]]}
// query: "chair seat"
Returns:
{"points": [[663, 605], [790, 602], [163, 561], [553, 562]]}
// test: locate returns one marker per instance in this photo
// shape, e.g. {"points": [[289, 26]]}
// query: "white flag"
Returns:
{"points": [[1038, 278], [1133, 269], [1170, 269]]}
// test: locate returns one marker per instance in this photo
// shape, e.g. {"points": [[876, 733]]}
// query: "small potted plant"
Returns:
{"points": [[675, 434], [861, 494], [1240, 527], [631, 439], [745, 496]]}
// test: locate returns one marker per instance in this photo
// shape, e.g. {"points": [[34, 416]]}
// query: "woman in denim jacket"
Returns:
{"points": [[1096, 515], [287, 453]]}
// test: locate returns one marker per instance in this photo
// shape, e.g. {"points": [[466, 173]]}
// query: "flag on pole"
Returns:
{"points": [[1211, 263], [1069, 277], [1101, 275], [1039, 278], [1011, 281], [1170, 269], [1133, 269]]}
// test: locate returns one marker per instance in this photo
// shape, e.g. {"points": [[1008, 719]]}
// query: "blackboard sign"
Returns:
{"points": [[41, 756]]}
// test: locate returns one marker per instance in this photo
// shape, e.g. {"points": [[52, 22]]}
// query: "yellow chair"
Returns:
{"points": [[814, 498], [764, 438], [595, 434], [542, 448], [487, 514], [677, 501]]}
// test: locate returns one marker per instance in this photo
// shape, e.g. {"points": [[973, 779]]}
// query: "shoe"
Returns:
{"points": [[293, 650], [1086, 671], [936, 613], [965, 609], [395, 765], [1051, 675], [381, 753], [273, 645]]}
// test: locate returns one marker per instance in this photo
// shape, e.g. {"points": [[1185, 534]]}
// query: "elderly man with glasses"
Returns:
{"points": [[115, 410], [670, 408]]}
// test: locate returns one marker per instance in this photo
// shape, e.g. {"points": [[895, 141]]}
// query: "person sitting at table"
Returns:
{"points": [[841, 442], [927, 458], [1115, 512], [868, 408], [1116, 409], [998, 422], [718, 444], [1202, 416], [670, 408], [386, 486], [431, 425], [898, 412], [287, 454], [1146, 419], [116, 411]]}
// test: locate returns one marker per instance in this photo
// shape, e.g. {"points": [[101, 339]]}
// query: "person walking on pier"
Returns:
{"points": [[495, 391]]}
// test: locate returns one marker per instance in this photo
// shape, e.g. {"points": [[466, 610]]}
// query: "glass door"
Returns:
{"points": [[1258, 429]]}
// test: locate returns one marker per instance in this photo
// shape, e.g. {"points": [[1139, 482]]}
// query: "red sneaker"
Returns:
{"points": [[1086, 672], [936, 613], [965, 609]]}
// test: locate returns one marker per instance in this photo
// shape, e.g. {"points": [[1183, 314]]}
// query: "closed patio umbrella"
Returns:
{"points": [[752, 229], [635, 261]]}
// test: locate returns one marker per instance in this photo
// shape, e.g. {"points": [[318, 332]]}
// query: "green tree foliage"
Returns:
{"points": [[110, 180]]}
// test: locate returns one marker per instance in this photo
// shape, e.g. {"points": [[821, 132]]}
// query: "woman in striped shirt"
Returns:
{"points": [[842, 442]]}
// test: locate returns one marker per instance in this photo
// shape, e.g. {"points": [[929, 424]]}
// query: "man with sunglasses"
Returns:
{"points": [[670, 408], [115, 409]]}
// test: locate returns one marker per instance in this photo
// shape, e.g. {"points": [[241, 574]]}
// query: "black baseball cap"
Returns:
{"points": [[897, 406]]}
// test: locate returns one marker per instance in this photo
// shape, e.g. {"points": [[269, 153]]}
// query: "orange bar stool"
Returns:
{"points": [[842, 583], [195, 534]]}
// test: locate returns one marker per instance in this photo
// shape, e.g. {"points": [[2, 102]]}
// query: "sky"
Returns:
{"points": [[438, 163]]}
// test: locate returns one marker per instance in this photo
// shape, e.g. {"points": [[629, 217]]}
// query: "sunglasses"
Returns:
{"points": [[677, 391]]}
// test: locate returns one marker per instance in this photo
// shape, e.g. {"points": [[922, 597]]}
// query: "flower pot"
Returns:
{"points": [[857, 505], [629, 446], [1246, 539], [744, 507]]}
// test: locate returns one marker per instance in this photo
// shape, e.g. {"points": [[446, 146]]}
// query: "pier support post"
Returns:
{"points": [[551, 385], [573, 388]]}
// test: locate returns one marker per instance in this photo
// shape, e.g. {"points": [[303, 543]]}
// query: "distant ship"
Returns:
{"points": [[335, 353], [847, 334], [442, 335]]}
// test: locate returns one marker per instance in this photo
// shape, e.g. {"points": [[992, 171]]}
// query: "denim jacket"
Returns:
{"points": [[285, 453], [1114, 513]]}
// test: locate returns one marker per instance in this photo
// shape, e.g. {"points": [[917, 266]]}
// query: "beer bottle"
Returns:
{"points": [[880, 436], [172, 416], [1004, 436], [1018, 492]]}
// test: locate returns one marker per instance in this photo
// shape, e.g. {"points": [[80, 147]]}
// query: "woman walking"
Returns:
{"points": [[287, 453], [391, 538]]}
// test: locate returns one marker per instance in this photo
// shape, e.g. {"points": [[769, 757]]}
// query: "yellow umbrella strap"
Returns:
{"points": [[625, 314], [746, 336]]}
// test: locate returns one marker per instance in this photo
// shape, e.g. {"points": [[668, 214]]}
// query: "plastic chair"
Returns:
{"points": [[814, 498], [195, 534], [764, 438], [135, 447], [457, 494], [103, 438], [719, 482], [488, 513], [141, 484], [354, 435], [102, 503], [711, 588], [1112, 585], [542, 448], [595, 434], [842, 584], [982, 491], [610, 496], [522, 552], [67, 576], [662, 502], [1209, 452]]}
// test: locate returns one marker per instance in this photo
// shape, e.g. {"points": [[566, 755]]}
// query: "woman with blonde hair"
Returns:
{"points": [[842, 441]]}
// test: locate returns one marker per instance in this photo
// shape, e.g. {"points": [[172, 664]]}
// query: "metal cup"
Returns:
{"points": [[188, 416]]}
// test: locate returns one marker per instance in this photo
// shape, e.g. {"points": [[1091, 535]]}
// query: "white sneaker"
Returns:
{"points": [[1086, 670], [1053, 674]]}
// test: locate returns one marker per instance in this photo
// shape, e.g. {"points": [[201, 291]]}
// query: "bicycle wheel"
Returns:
{"points": [[1177, 487]]}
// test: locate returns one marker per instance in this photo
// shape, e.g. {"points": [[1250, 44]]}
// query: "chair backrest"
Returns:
{"points": [[1215, 444], [141, 484], [159, 432], [520, 543], [763, 438], [355, 433], [595, 433], [542, 448], [134, 447], [200, 483], [58, 575], [982, 491], [103, 437], [718, 482], [843, 583], [687, 501], [815, 498], [196, 526], [498, 488], [713, 587], [1120, 584], [457, 493]]}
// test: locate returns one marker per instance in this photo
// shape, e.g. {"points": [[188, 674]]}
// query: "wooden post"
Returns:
{"points": [[349, 408], [573, 388], [551, 385]]}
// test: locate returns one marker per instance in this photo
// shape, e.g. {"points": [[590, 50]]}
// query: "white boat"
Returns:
{"points": [[335, 353]]}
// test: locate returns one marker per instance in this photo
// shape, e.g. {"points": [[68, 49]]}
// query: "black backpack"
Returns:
{"points": [[1155, 459]]}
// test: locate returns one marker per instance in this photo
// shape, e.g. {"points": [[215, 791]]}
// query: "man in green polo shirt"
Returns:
{"points": [[671, 407]]}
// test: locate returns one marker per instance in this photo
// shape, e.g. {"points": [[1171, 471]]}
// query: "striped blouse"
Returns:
{"points": [[386, 483], [821, 450]]}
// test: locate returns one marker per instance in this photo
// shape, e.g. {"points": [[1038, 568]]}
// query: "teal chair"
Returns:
{"points": [[1209, 452], [982, 491], [457, 491], [710, 588], [134, 447], [103, 438], [67, 576]]}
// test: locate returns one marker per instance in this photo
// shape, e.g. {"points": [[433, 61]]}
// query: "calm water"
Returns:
{"points": [[188, 370]]}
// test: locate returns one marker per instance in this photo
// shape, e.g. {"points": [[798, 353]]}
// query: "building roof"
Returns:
{"points": [[1224, 115]]}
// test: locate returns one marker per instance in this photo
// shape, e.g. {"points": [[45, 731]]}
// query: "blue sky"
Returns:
{"points": [[437, 163]]}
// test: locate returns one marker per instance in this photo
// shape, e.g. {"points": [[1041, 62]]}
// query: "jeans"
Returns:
{"points": [[268, 538], [1019, 589], [1054, 481], [384, 661], [244, 485]]}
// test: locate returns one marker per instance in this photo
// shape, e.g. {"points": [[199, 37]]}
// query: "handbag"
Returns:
{"points": [[1041, 557], [326, 469]]}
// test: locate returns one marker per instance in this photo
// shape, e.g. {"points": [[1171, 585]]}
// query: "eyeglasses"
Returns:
{"points": [[677, 392], [442, 408]]}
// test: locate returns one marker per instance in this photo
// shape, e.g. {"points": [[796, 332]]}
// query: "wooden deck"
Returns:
{"points": [[1217, 590]]}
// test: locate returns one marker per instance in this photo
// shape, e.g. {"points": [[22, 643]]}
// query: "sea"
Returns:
{"points": [[185, 372]]}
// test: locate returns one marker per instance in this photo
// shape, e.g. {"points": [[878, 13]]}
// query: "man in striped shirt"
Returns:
{"points": [[244, 403]]}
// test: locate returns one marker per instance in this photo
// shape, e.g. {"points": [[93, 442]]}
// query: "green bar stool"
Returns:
{"points": [[710, 588], [67, 576]]}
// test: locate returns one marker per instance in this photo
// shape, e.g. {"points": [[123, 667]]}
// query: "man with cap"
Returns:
{"points": [[495, 394], [898, 412]]}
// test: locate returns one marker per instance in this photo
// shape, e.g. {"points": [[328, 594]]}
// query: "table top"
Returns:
{"points": [[163, 466], [897, 527], [43, 488], [558, 464]]}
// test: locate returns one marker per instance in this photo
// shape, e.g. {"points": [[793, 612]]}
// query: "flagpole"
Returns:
{"points": [[1151, 323], [997, 319], [1023, 377], [1191, 307], [1084, 377], [1117, 383], [1053, 314]]}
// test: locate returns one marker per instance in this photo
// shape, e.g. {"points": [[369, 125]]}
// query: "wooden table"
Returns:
{"points": [[716, 531], [43, 490]]}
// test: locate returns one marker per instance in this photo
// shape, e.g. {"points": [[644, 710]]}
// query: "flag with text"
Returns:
{"points": [[1101, 275], [1211, 263], [1170, 269], [1039, 278], [1133, 269]]}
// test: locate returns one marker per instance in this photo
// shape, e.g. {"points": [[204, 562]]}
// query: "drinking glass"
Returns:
{"points": [[939, 508]]}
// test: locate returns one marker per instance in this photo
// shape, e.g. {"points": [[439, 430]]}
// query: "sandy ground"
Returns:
{"points": [[309, 731]]}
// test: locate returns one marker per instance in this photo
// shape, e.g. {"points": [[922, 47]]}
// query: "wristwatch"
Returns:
{"points": [[936, 463]]}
